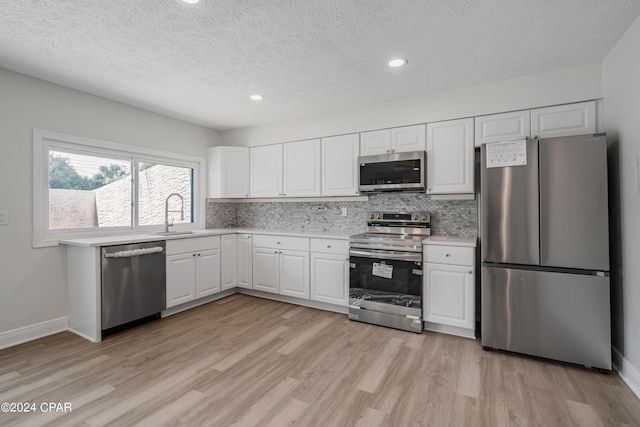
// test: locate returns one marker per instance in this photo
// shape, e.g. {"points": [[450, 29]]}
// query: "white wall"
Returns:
{"points": [[621, 90], [550, 88], [33, 281]]}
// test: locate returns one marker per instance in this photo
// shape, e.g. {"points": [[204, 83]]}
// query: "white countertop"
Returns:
{"points": [[124, 239], [450, 241]]}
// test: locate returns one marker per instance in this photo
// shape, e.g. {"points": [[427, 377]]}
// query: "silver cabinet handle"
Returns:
{"points": [[193, 255], [248, 237], [275, 252], [447, 255], [278, 243], [471, 272], [246, 195], [279, 194], [328, 246]]}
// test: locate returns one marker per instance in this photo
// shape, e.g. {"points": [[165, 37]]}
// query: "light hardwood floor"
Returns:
{"points": [[246, 361]]}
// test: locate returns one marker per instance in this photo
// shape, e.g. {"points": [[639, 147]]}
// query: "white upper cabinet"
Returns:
{"points": [[340, 165], [266, 171], [512, 126], [450, 157], [408, 138], [396, 140], [228, 172], [301, 169], [564, 120], [375, 142]]}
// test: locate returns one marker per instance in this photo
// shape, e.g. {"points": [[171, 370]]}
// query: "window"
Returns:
{"points": [[85, 187]]}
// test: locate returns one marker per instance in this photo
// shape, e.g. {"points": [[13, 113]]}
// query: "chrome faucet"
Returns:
{"points": [[166, 211]]}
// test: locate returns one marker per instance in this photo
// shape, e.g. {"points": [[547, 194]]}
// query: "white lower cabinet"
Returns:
{"points": [[244, 278], [281, 265], [266, 270], [229, 261], [294, 274], [181, 278], [207, 272], [193, 269], [330, 271], [449, 290]]}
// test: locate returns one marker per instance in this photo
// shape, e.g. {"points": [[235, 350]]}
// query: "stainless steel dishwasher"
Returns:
{"points": [[133, 284]]}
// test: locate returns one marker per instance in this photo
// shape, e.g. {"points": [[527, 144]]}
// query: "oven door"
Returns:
{"points": [[386, 281]]}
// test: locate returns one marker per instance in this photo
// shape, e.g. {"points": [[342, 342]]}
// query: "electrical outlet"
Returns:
{"points": [[4, 217], [344, 211]]}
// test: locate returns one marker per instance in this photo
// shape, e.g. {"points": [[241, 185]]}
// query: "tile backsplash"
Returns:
{"points": [[448, 217]]}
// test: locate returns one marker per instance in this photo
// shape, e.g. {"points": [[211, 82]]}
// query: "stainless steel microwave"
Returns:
{"points": [[392, 172]]}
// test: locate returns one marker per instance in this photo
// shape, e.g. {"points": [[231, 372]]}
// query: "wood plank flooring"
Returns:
{"points": [[246, 361]]}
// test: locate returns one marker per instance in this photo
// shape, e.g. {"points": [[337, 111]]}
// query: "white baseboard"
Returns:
{"points": [[191, 304], [627, 371], [298, 301], [33, 332], [451, 330]]}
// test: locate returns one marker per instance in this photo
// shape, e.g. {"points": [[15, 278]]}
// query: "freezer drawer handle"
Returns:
{"points": [[134, 252]]}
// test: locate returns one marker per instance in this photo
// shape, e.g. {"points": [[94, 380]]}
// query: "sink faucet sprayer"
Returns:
{"points": [[166, 211]]}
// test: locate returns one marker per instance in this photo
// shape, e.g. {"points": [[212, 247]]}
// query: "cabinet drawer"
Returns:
{"points": [[330, 246], [192, 244], [281, 242], [458, 255]]}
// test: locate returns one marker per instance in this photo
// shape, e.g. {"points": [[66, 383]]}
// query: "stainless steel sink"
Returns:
{"points": [[172, 233]]}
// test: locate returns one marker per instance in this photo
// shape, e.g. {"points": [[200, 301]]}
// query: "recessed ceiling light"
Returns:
{"points": [[397, 62], [191, 1], [256, 97]]}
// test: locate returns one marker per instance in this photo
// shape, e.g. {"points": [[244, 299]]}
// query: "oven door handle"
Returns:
{"points": [[400, 256]]}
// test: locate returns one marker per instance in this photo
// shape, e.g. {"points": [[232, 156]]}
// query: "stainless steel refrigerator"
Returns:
{"points": [[545, 250]]}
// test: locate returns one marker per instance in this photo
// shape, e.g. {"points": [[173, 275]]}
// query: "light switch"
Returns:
{"points": [[344, 211], [4, 217], [638, 171]]}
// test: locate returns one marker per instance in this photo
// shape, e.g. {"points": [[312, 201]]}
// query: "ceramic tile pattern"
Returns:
{"points": [[448, 217]]}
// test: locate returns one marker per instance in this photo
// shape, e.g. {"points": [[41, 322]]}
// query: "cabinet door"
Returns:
{"points": [[340, 165], [330, 278], [266, 270], [449, 295], [245, 263], [375, 142], [207, 272], [301, 169], [294, 274], [513, 126], [181, 278], [564, 120], [450, 157], [408, 138], [266, 171], [228, 261], [235, 172]]}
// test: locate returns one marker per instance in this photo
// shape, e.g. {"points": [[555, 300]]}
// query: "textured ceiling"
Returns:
{"points": [[200, 63]]}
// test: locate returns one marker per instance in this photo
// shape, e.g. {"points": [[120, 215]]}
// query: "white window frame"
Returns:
{"points": [[44, 141]]}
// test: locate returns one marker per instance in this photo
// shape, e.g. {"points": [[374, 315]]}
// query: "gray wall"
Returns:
{"points": [[33, 283], [450, 217], [621, 87]]}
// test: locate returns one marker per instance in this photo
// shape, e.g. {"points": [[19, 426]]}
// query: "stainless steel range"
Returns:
{"points": [[385, 281]]}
